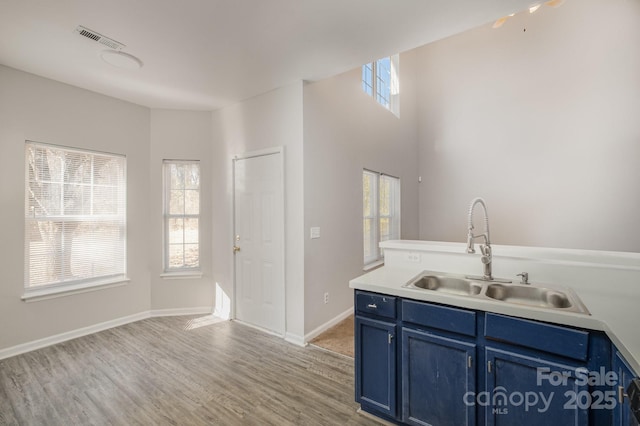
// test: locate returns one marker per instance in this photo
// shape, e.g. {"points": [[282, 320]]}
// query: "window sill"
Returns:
{"points": [[373, 265], [35, 295], [181, 275]]}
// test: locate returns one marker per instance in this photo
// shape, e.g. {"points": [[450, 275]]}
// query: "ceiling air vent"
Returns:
{"points": [[97, 37]]}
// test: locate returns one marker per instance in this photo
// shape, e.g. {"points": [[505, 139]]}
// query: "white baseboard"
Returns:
{"points": [[201, 310], [63, 337], [295, 339], [327, 325]]}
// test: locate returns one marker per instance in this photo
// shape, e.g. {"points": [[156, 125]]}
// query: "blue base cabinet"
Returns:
{"points": [[421, 363], [376, 370], [436, 372], [622, 415], [376, 353], [520, 395]]}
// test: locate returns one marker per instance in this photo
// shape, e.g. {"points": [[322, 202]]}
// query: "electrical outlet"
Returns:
{"points": [[413, 257], [326, 298]]}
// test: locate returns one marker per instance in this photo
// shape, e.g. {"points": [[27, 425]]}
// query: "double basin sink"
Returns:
{"points": [[563, 299]]}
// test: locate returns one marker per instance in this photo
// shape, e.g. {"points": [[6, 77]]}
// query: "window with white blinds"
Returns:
{"points": [[181, 215], [380, 213], [75, 216]]}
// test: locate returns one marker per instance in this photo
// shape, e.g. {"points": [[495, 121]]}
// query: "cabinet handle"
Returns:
{"points": [[372, 306], [621, 394], [469, 361], [390, 337], [489, 366]]}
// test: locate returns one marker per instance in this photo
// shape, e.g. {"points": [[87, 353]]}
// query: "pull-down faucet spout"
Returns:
{"points": [[486, 247]]}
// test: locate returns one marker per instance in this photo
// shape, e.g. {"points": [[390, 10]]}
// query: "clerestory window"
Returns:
{"points": [[380, 80]]}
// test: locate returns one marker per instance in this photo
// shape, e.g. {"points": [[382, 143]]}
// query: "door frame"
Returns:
{"points": [[277, 150]]}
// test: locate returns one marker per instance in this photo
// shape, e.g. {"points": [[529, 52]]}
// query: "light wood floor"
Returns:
{"points": [[178, 371]]}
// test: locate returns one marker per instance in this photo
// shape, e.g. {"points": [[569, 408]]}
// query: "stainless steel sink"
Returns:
{"points": [[550, 297], [529, 295], [446, 284]]}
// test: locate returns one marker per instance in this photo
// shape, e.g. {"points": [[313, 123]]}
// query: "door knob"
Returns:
{"points": [[236, 249]]}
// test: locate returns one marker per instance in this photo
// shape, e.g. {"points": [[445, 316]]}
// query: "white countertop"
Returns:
{"points": [[607, 283]]}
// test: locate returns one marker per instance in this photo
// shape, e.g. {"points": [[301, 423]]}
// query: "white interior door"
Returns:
{"points": [[259, 241]]}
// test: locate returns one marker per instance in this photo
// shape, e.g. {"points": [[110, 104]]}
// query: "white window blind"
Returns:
{"points": [[181, 215], [75, 216], [381, 212]]}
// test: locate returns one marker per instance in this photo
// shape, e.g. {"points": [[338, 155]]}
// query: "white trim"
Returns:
{"points": [[35, 295], [84, 331], [179, 275], [260, 153], [327, 325], [295, 339], [173, 312], [373, 265]]}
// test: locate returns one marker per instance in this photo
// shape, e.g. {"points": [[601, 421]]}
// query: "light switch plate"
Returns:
{"points": [[314, 232]]}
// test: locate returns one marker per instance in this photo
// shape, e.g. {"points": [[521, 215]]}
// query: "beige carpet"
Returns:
{"points": [[338, 338]]}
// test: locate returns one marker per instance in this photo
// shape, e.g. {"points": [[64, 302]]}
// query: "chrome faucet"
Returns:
{"points": [[484, 248]]}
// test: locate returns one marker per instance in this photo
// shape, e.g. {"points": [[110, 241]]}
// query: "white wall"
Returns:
{"points": [[345, 131], [542, 123], [34, 108], [269, 120], [181, 135]]}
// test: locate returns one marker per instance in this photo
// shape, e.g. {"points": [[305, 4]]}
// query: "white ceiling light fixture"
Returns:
{"points": [[121, 59]]}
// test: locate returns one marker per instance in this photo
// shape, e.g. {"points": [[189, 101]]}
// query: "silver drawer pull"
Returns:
{"points": [[621, 394], [372, 306]]}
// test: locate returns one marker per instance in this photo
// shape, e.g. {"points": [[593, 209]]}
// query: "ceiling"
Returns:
{"points": [[206, 54]]}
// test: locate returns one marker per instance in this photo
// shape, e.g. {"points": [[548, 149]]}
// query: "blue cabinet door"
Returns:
{"points": [[375, 359], [532, 391], [622, 413], [437, 373]]}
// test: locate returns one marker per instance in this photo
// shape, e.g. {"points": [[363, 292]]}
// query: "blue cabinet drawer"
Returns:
{"points": [[441, 317], [550, 338], [376, 304]]}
